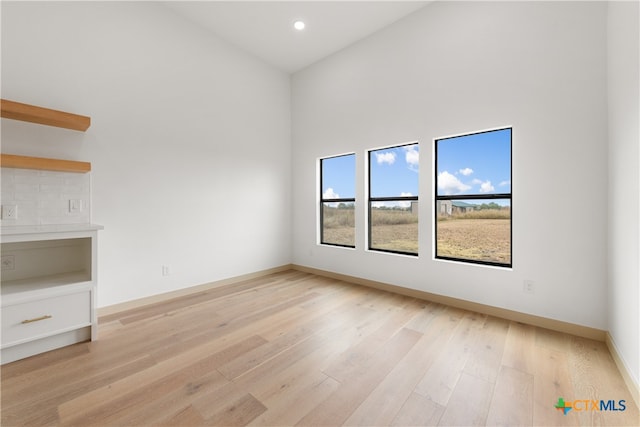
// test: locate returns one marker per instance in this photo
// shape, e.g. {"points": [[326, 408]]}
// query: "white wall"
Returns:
{"points": [[624, 182], [191, 151], [456, 67], [189, 142]]}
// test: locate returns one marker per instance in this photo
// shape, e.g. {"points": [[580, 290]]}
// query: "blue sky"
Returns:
{"points": [[475, 164], [394, 171], [339, 177], [471, 164]]}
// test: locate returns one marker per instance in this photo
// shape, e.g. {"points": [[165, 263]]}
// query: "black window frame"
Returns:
{"points": [[372, 200], [479, 196], [334, 200]]}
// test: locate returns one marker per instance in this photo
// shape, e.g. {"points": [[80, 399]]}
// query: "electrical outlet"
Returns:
{"points": [[166, 270], [9, 211], [529, 287], [8, 262]]}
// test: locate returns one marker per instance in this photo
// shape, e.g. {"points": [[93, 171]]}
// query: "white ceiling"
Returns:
{"points": [[265, 28]]}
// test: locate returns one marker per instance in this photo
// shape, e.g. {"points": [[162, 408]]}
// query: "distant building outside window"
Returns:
{"points": [[473, 198]]}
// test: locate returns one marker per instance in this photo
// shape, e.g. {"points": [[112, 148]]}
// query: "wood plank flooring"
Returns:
{"points": [[293, 348]]}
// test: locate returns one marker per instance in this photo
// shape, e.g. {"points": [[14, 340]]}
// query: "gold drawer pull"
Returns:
{"points": [[37, 319]]}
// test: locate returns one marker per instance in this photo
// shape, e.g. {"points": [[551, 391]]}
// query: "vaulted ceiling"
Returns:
{"points": [[265, 28]]}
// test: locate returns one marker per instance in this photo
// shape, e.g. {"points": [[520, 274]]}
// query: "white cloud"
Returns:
{"points": [[407, 203], [476, 181], [394, 204], [505, 183], [330, 194], [386, 157], [412, 156], [466, 171], [486, 187], [449, 184]]}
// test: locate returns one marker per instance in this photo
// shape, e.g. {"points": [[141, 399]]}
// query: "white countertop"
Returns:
{"points": [[8, 230]]}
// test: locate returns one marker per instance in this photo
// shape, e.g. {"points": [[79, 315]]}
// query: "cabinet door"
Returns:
{"points": [[37, 319]]}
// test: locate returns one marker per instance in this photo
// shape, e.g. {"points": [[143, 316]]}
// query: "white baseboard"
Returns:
{"points": [[543, 322], [31, 348], [631, 383], [128, 305]]}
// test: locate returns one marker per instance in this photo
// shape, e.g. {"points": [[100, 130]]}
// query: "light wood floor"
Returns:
{"points": [[297, 349]]}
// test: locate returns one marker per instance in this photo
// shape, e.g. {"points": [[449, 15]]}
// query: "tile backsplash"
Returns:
{"points": [[46, 197]]}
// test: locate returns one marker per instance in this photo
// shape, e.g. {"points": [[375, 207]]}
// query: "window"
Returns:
{"points": [[337, 200], [393, 199], [473, 198]]}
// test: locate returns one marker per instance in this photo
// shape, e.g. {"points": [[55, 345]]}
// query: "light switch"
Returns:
{"points": [[75, 205]]}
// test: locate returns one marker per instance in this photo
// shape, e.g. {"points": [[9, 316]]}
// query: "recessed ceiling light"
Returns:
{"points": [[298, 25]]}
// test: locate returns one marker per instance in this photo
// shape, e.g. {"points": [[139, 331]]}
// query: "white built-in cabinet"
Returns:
{"points": [[49, 279]]}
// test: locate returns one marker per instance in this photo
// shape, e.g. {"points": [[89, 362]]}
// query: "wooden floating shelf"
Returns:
{"points": [[44, 116], [41, 163]]}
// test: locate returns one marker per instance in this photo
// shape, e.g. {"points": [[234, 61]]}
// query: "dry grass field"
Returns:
{"points": [[392, 229], [475, 239], [395, 237], [345, 236], [338, 227], [483, 235]]}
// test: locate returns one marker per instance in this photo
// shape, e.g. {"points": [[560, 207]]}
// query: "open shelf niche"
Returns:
{"points": [[48, 288]]}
